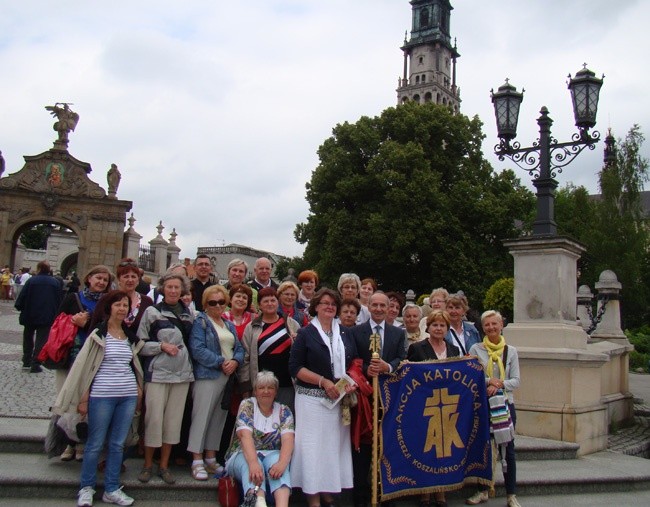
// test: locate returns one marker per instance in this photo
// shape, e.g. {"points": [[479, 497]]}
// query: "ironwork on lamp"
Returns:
{"points": [[547, 157]]}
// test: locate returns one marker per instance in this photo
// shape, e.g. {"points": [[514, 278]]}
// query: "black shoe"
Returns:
{"points": [[36, 368]]}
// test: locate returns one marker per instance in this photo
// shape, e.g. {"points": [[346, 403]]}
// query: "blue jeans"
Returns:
{"points": [[238, 468], [109, 420], [510, 477]]}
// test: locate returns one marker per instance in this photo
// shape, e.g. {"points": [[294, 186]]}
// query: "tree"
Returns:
{"points": [[613, 227], [407, 197], [36, 236]]}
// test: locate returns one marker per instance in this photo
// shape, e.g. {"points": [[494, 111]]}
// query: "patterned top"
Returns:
{"points": [[274, 348], [247, 317], [115, 377], [267, 431]]}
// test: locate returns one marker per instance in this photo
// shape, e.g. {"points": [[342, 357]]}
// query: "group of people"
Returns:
{"points": [[239, 375]]}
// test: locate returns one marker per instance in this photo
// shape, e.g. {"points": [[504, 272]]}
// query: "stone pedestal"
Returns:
{"points": [[560, 395]]}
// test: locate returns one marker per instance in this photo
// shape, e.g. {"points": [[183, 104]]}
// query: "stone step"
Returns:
{"points": [[27, 435], [28, 475]]}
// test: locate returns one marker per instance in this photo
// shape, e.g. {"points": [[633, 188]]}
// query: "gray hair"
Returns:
{"points": [[491, 313], [266, 378], [237, 262], [185, 283], [413, 306], [349, 277]]}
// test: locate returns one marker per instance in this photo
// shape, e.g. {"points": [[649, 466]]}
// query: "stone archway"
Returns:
{"points": [[55, 187]]}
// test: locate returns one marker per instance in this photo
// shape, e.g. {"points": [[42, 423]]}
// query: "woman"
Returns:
{"points": [[128, 277], [307, 281], [217, 353], [267, 341], [412, 315], [368, 288], [349, 286], [165, 328], [105, 384], [240, 313], [461, 333], [81, 306], [350, 309], [320, 356], [261, 453], [395, 303], [177, 269], [288, 297], [434, 347], [501, 365]]}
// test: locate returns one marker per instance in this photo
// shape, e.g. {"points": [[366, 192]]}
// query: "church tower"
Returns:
{"points": [[429, 58]]}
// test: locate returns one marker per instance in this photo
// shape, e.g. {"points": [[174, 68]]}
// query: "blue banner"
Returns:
{"points": [[435, 432]]}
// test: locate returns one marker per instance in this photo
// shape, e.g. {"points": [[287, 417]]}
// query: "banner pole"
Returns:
{"points": [[374, 347]]}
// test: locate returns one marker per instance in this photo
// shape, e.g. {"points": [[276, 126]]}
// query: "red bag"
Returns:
{"points": [[228, 492], [55, 352]]}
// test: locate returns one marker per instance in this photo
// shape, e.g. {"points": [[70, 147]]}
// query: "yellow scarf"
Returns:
{"points": [[495, 354]]}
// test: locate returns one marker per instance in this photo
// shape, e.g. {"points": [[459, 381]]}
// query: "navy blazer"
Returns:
{"points": [[423, 351], [309, 351], [393, 350]]}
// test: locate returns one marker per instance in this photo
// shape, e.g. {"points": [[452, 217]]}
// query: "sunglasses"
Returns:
{"points": [[221, 302], [125, 264]]}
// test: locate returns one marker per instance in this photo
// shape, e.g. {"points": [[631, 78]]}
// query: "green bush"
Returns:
{"points": [[500, 296], [420, 300], [640, 338]]}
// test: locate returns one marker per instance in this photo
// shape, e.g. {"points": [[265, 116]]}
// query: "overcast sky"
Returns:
{"points": [[213, 110]]}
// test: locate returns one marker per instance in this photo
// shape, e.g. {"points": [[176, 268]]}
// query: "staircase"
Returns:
{"points": [[544, 467]]}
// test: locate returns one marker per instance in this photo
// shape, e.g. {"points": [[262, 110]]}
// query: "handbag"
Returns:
{"points": [[228, 492], [55, 353]]}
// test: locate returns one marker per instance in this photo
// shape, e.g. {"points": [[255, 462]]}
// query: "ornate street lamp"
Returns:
{"points": [[547, 156]]}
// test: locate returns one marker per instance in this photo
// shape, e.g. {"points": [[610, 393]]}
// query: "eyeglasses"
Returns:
{"points": [[327, 303], [221, 302]]}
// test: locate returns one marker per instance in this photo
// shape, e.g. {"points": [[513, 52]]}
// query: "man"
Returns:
{"points": [[38, 304], [392, 352], [262, 270], [202, 280]]}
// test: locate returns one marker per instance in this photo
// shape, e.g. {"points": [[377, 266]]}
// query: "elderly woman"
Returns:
{"points": [[307, 281], [434, 347], [501, 365], [412, 315], [461, 333], [240, 313], [165, 328], [217, 353], [81, 305], [261, 454], [267, 341], [349, 286], [350, 309], [105, 384], [320, 356], [288, 297], [177, 268]]}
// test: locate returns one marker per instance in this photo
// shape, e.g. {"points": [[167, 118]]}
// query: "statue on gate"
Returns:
{"points": [[67, 121]]}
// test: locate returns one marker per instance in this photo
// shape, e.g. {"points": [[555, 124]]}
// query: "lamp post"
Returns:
{"points": [[547, 156]]}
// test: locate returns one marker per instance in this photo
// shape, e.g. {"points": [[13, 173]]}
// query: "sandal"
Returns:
{"points": [[145, 474], [199, 473], [166, 475]]}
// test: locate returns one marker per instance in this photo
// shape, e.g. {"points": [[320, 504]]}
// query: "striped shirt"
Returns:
{"points": [[115, 377]]}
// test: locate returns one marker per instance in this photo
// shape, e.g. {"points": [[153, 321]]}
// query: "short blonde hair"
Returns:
{"points": [[491, 313], [439, 292], [288, 285], [438, 315], [211, 290], [349, 277]]}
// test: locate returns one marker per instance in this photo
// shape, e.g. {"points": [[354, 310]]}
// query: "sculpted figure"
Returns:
{"points": [[67, 121], [113, 178]]}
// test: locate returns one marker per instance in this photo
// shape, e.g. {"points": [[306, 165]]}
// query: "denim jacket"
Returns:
{"points": [[206, 348]]}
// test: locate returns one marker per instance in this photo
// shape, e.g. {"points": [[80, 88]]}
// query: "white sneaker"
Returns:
{"points": [[85, 496], [118, 497], [261, 501], [513, 502], [67, 454], [477, 498]]}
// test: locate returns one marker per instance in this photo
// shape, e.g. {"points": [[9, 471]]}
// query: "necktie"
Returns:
{"points": [[381, 341]]}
